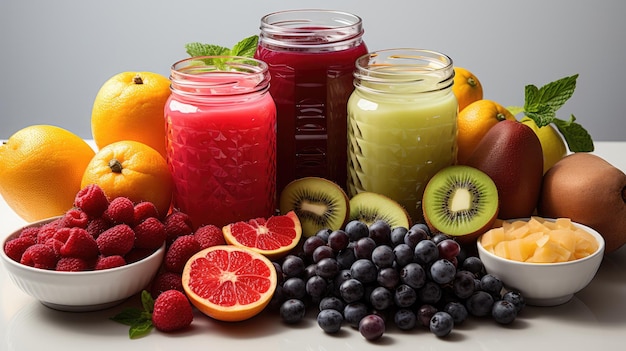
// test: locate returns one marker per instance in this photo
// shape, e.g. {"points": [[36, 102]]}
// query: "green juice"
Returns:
{"points": [[398, 139]]}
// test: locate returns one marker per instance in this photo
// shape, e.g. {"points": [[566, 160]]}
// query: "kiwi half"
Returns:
{"points": [[318, 202], [370, 207], [460, 201]]}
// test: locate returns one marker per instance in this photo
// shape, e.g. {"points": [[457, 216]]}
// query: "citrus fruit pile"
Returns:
{"points": [[42, 167], [477, 115]]}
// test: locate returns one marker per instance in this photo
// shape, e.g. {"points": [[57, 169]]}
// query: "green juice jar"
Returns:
{"points": [[401, 124]]}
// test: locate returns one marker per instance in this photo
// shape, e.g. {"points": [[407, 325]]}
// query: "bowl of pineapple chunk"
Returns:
{"points": [[548, 260]]}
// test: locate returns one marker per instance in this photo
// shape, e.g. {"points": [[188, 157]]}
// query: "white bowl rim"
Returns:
{"points": [[92, 272], [599, 238]]}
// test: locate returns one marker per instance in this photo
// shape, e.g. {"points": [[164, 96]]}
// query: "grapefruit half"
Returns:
{"points": [[273, 237], [229, 283]]}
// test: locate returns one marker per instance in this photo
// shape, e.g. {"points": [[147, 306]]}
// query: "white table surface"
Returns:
{"points": [[594, 319]]}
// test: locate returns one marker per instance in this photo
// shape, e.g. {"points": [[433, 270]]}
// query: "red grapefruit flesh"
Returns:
{"points": [[273, 237], [229, 283]]}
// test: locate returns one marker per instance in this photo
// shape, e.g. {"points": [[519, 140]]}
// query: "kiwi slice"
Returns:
{"points": [[370, 207], [318, 202], [460, 201]]}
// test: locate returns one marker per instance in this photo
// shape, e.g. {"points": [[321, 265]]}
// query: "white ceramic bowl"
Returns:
{"points": [[81, 291], [545, 284]]}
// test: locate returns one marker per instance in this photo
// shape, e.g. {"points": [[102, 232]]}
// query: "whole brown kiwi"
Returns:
{"points": [[589, 190]]}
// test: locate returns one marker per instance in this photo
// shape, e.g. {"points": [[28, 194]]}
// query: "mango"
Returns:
{"points": [[511, 155], [590, 191]]}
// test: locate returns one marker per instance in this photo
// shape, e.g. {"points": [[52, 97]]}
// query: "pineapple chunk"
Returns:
{"points": [[539, 240]]}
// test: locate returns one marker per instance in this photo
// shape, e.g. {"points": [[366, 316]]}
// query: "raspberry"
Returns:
{"points": [[97, 226], [145, 210], [117, 240], [179, 252], [172, 311], [92, 200], [47, 231], [209, 235], [56, 245], [107, 262], [72, 264], [77, 243], [74, 218], [30, 232], [39, 256], [177, 224], [120, 210], [15, 248], [149, 234], [166, 281]]}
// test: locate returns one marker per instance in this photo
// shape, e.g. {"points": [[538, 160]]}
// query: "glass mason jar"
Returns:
{"points": [[221, 139], [311, 56], [401, 124]]}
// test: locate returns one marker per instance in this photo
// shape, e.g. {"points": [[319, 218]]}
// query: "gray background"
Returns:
{"points": [[55, 55]]}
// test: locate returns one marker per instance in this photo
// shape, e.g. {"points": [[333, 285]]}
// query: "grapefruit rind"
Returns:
{"points": [[212, 282], [273, 238]]}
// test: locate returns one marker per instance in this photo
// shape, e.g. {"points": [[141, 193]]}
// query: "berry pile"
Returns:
{"points": [[95, 234], [368, 276]]}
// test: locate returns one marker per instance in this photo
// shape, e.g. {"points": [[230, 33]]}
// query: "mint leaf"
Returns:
{"points": [[140, 329], [128, 316], [245, 47], [531, 98], [199, 49], [147, 301], [542, 115], [576, 137], [556, 93], [139, 320], [541, 104]]}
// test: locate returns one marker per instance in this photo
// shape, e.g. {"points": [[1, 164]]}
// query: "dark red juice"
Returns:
{"points": [[311, 70]]}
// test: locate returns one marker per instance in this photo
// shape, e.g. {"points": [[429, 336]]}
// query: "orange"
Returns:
{"points": [[466, 88], [273, 237], [133, 170], [474, 122], [129, 106], [41, 167], [229, 283]]}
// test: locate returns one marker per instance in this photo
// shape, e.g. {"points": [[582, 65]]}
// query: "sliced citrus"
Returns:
{"points": [[273, 237], [229, 283]]}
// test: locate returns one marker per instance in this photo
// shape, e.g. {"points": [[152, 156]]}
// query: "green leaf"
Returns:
{"points": [[542, 115], [556, 93], [245, 47], [140, 329], [139, 320], [147, 301], [128, 316], [576, 137], [531, 98], [199, 49]]}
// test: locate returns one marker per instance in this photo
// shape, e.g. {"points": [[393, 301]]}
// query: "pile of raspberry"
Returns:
{"points": [[95, 234]]}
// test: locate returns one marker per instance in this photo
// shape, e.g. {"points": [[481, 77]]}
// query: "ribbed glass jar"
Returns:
{"points": [[401, 124], [311, 56], [221, 139]]}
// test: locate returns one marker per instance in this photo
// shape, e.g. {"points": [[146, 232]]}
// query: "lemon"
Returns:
{"points": [[552, 143]]}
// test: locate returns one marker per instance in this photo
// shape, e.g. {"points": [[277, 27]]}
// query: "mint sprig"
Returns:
{"points": [[541, 105], [139, 320], [245, 48]]}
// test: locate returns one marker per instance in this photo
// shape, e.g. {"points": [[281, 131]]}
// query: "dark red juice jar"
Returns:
{"points": [[311, 56]]}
